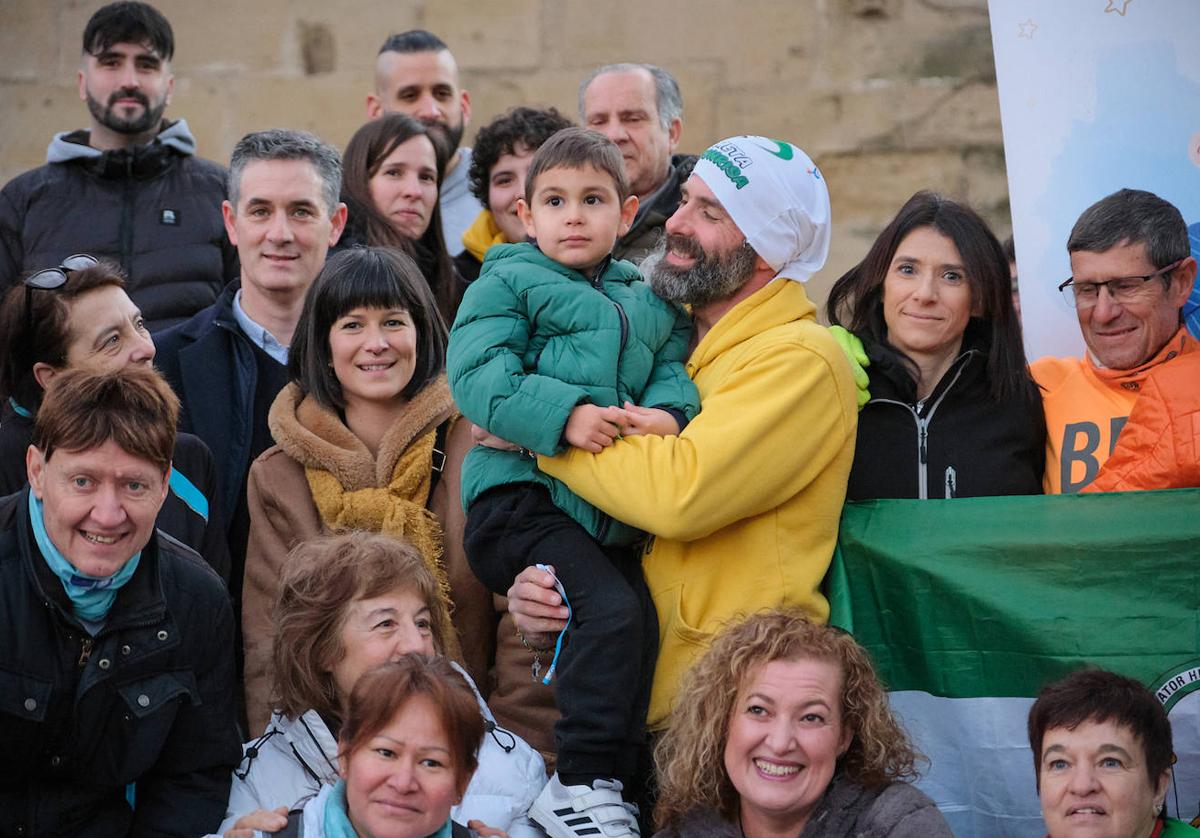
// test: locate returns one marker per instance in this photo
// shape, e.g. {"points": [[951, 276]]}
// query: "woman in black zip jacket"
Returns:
{"points": [[952, 410]]}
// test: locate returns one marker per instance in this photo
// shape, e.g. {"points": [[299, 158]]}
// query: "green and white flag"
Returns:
{"points": [[970, 606]]}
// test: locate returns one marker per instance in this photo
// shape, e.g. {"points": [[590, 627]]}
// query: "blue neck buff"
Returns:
{"points": [[337, 816], [91, 597]]}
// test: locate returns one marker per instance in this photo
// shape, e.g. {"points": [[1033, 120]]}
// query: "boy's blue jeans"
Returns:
{"points": [[602, 684]]}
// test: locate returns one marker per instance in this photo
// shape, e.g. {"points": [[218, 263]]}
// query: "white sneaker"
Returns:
{"points": [[580, 811]]}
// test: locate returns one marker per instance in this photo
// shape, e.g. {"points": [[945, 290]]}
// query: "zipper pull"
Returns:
{"points": [[85, 651], [924, 433]]}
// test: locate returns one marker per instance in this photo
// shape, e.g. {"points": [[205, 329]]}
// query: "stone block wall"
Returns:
{"points": [[888, 96]]}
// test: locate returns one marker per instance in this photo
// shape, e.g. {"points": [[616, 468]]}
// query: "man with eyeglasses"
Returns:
{"points": [[1132, 271]]}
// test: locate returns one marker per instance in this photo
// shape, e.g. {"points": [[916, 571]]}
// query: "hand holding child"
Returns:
{"points": [[593, 428], [536, 606], [648, 420]]}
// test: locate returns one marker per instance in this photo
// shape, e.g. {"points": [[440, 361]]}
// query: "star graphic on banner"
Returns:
{"points": [[1118, 6], [1026, 29]]}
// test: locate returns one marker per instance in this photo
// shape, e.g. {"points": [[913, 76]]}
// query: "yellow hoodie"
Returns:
{"points": [[482, 234], [744, 504]]}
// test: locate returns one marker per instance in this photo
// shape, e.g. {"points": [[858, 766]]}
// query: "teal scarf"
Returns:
{"points": [[91, 597], [337, 818]]}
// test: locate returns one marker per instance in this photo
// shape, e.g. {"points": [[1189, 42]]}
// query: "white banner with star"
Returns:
{"points": [[1095, 96]]}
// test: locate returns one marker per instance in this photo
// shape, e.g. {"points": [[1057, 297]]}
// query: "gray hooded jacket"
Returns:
{"points": [[153, 209]]}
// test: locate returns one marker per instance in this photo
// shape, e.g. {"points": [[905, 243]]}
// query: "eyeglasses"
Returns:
{"points": [[51, 279], [1125, 289]]}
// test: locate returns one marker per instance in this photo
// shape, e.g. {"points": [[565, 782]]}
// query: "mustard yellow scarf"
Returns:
{"points": [[387, 492]]}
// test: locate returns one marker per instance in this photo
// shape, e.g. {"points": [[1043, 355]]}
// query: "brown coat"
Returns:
{"points": [[282, 514]]}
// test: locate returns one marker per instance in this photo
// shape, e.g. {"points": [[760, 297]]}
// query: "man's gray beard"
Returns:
{"points": [[709, 279], [107, 116]]}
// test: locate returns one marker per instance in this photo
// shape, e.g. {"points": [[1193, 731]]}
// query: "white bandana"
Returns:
{"points": [[777, 198]]}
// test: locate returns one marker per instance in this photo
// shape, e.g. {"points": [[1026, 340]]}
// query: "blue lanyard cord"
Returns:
{"points": [[558, 642]]}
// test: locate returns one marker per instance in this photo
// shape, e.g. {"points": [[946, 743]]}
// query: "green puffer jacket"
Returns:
{"points": [[533, 339]]}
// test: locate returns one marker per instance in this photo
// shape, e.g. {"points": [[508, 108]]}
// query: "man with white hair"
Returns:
{"points": [[744, 503], [639, 107]]}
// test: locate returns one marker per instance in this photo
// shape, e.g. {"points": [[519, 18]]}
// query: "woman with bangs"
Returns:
{"points": [[953, 411], [391, 176], [367, 438]]}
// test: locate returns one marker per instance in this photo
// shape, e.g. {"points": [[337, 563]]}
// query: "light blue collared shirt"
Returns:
{"points": [[263, 339]]}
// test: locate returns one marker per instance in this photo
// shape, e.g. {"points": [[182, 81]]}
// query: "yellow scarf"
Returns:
{"points": [[396, 509], [387, 492], [482, 234]]}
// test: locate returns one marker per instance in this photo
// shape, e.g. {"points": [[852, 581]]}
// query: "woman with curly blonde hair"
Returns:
{"points": [[783, 728]]}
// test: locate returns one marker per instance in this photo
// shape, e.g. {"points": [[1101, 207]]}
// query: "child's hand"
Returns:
{"points": [[481, 437], [648, 420], [593, 428]]}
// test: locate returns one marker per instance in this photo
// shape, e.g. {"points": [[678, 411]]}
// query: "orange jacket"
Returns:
{"points": [[1160, 445], [1086, 407]]}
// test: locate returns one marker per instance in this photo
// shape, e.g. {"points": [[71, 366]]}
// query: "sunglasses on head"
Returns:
{"points": [[51, 279]]}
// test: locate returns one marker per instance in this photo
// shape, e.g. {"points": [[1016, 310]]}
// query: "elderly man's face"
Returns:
{"points": [[623, 106], [99, 505], [704, 257], [1124, 335]]}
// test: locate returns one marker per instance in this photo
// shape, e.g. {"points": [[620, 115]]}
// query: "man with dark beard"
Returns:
{"points": [[130, 188], [415, 74], [743, 505]]}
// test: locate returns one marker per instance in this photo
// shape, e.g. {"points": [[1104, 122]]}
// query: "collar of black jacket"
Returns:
{"points": [[138, 162], [661, 205], [892, 377]]}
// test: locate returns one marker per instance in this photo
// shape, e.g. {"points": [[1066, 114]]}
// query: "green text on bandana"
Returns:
{"points": [[727, 166]]}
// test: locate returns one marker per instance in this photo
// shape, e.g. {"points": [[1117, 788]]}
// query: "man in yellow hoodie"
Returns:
{"points": [[743, 505]]}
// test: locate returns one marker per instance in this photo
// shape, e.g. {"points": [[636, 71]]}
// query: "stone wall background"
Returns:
{"points": [[888, 96]]}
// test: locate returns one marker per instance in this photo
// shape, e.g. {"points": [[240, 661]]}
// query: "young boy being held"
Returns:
{"points": [[557, 344]]}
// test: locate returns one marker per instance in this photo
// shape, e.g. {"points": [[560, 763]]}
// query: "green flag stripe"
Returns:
{"points": [[983, 597]]}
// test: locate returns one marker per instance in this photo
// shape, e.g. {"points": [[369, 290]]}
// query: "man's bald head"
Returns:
{"points": [[415, 74]]}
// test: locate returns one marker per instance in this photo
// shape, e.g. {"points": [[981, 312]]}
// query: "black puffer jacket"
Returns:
{"points": [[149, 700], [153, 209], [957, 443]]}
